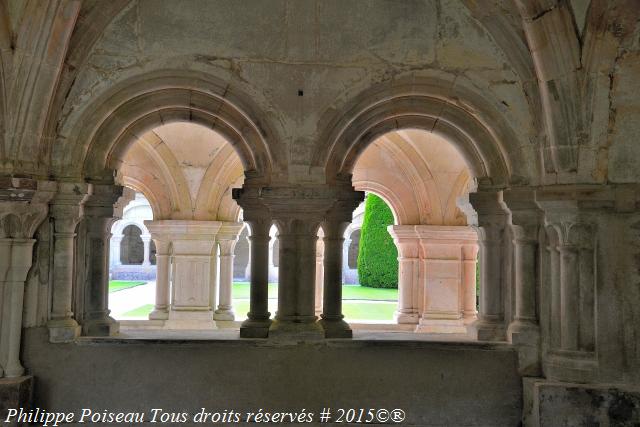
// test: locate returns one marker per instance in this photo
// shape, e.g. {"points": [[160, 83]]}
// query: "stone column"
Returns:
{"points": [[492, 218], [334, 227], [524, 329], [296, 276], [163, 253], [146, 240], [115, 250], [319, 272], [443, 281], [258, 318], [67, 210], [409, 304], [227, 238], [469, 265], [23, 206], [99, 215]]}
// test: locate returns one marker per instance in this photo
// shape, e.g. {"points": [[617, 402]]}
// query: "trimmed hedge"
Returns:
{"points": [[377, 254]]}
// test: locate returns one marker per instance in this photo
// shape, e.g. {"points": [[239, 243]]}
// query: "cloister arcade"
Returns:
{"points": [[422, 177], [502, 133]]}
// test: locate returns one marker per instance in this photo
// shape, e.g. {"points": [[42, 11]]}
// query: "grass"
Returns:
{"points": [[382, 310], [241, 290], [118, 285], [368, 311], [142, 311], [362, 292]]}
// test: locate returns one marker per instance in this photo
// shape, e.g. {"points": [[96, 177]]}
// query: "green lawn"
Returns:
{"points": [[368, 311], [353, 310], [241, 290], [118, 285], [142, 311]]}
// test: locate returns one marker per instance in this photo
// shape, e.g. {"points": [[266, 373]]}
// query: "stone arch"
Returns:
{"points": [[385, 193], [473, 127], [115, 120]]}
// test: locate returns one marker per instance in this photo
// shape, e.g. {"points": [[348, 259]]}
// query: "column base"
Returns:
{"points": [[63, 330], [13, 370], [296, 331], [336, 328], [104, 327], [525, 335], [159, 314], [407, 318], [190, 319], [486, 330], [255, 328], [15, 393], [441, 326], [224, 314]]}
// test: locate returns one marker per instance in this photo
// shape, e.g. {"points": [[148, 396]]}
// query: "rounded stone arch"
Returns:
{"points": [[139, 186], [488, 145], [93, 148], [120, 225], [400, 217]]}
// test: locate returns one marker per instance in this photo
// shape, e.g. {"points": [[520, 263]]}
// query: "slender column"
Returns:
{"points": [[227, 238], [406, 241], [258, 317], [555, 294], [569, 297], [67, 210], [16, 255], [469, 265], [99, 212], [491, 223], [332, 318], [161, 309], [319, 272], [146, 240], [115, 250]]}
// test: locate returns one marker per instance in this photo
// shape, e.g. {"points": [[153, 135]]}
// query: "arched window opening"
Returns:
{"points": [[131, 246], [352, 258]]}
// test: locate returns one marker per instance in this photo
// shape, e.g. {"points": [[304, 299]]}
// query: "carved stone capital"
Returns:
{"points": [[67, 207], [24, 203]]}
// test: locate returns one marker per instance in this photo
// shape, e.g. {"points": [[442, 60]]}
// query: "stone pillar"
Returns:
{"points": [[298, 212], [336, 222], [406, 241], [570, 215], [163, 253], [469, 265], [115, 251], [297, 276], [67, 210], [23, 206], [146, 240], [492, 218], [443, 280], [99, 214], [227, 238], [319, 272], [258, 318], [524, 330]]}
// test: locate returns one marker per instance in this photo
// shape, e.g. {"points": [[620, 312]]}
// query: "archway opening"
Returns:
{"points": [[186, 171], [132, 269], [425, 181]]}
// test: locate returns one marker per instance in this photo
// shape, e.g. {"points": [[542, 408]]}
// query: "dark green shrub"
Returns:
{"points": [[377, 254]]}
